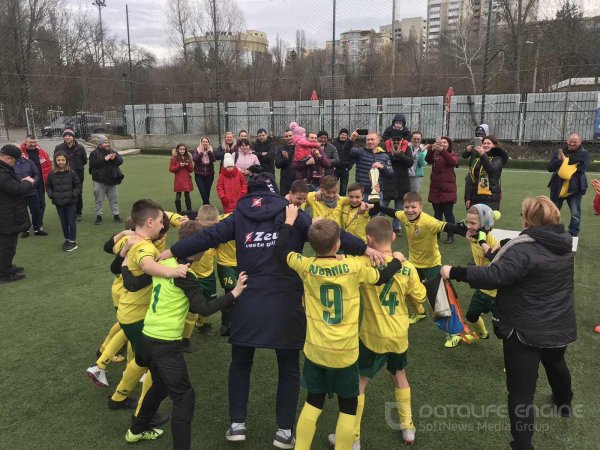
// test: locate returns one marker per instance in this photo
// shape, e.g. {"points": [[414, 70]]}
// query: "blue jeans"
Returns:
{"points": [[574, 202], [343, 175], [66, 213], [398, 206]]}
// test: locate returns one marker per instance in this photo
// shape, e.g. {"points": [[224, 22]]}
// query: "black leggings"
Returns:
{"points": [[347, 405], [204, 184], [188, 200], [446, 210]]}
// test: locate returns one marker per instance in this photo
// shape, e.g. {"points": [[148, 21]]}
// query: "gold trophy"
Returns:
{"points": [[374, 177]]}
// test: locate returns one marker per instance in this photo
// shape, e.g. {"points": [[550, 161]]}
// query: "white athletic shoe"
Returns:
{"points": [[408, 434], [98, 376], [331, 440], [236, 432]]}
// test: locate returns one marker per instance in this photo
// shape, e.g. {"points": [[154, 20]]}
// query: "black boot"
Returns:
{"points": [[188, 202], [178, 206], [450, 239]]}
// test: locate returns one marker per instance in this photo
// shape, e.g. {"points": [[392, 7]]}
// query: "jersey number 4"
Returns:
{"points": [[389, 299], [331, 298]]}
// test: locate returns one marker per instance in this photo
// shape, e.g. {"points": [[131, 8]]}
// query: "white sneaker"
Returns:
{"points": [[284, 439], [143, 378], [236, 432], [408, 434], [331, 440], [98, 376]]}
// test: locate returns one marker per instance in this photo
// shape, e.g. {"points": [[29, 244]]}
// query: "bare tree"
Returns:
{"points": [[179, 20], [467, 47], [517, 14]]}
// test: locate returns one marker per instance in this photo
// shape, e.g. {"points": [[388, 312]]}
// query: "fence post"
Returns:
{"points": [[521, 127], [272, 119], [226, 114], [565, 115], [185, 119], [148, 118]]}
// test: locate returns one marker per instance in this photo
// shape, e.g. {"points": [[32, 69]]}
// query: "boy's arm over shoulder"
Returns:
{"points": [[282, 249], [198, 302], [220, 233], [377, 276], [430, 223], [131, 282]]}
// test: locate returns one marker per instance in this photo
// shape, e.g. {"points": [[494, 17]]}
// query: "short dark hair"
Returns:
{"points": [[188, 229], [329, 182], [242, 131], [417, 132], [380, 230], [323, 235], [287, 130], [322, 133], [299, 186], [356, 187], [143, 210], [30, 136], [261, 130], [242, 141], [491, 138], [412, 197]]}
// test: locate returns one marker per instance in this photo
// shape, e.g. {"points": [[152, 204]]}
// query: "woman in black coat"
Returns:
{"points": [[63, 188], [485, 169], [535, 310]]}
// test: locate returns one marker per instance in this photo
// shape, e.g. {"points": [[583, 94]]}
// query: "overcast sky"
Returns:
{"points": [[149, 27]]}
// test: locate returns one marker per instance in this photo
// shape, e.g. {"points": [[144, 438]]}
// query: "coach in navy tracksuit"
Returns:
{"points": [[269, 314]]}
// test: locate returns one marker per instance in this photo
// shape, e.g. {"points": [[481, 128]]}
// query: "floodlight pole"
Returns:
{"points": [[101, 4], [333, 74], [131, 76], [485, 60]]}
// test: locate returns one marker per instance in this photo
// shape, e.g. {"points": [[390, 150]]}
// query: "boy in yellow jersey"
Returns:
{"points": [[355, 214], [423, 250], [327, 203], [332, 304], [119, 245], [384, 329], [479, 222], [147, 217], [162, 334]]}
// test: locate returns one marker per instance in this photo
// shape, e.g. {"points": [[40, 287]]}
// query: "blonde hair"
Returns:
{"points": [[540, 210], [323, 236], [207, 215], [380, 230]]}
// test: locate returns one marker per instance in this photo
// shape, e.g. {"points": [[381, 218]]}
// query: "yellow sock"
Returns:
{"points": [[130, 353], [113, 330], [188, 328], [359, 412], [479, 326], [115, 344], [131, 377], [404, 409], [145, 388], [306, 427], [344, 432]]}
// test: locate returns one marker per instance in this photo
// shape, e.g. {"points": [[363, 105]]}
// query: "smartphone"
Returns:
{"points": [[362, 131], [476, 142]]}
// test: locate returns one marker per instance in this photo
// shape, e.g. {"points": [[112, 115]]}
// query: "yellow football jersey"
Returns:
{"points": [[117, 290], [320, 209], [423, 250], [133, 305], [355, 222], [481, 260], [205, 266], [384, 326], [332, 304], [226, 253]]}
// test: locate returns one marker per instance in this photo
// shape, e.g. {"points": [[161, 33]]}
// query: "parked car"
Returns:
{"points": [[82, 124]]}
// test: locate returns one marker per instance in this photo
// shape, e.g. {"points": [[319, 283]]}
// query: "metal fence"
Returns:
{"points": [[511, 117]]}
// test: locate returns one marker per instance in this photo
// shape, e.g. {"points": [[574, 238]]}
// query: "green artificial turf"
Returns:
{"points": [[52, 322]]}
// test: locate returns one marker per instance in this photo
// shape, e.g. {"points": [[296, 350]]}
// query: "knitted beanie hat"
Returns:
{"points": [[297, 130], [487, 216]]}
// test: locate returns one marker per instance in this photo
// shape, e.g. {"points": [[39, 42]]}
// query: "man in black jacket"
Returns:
{"points": [[345, 164], [104, 168], [78, 158], [398, 184], [13, 212], [283, 161], [265, 150]]}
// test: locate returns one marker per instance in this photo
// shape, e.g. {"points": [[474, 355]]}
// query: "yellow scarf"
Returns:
{"points": [[482, 179]]}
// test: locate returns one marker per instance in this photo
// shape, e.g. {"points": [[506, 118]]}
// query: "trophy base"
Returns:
{"points": [[374, 198]]}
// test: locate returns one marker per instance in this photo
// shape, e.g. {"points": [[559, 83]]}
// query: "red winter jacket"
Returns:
{"points": [[443, 179], [597, 204], [231, 186], [183, 179], [45, 161]]}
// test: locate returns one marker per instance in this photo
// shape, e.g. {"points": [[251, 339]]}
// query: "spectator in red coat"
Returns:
{"points": [[231, 185], [596, 186], [182, 166], [442, 190], [32, 151]]}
